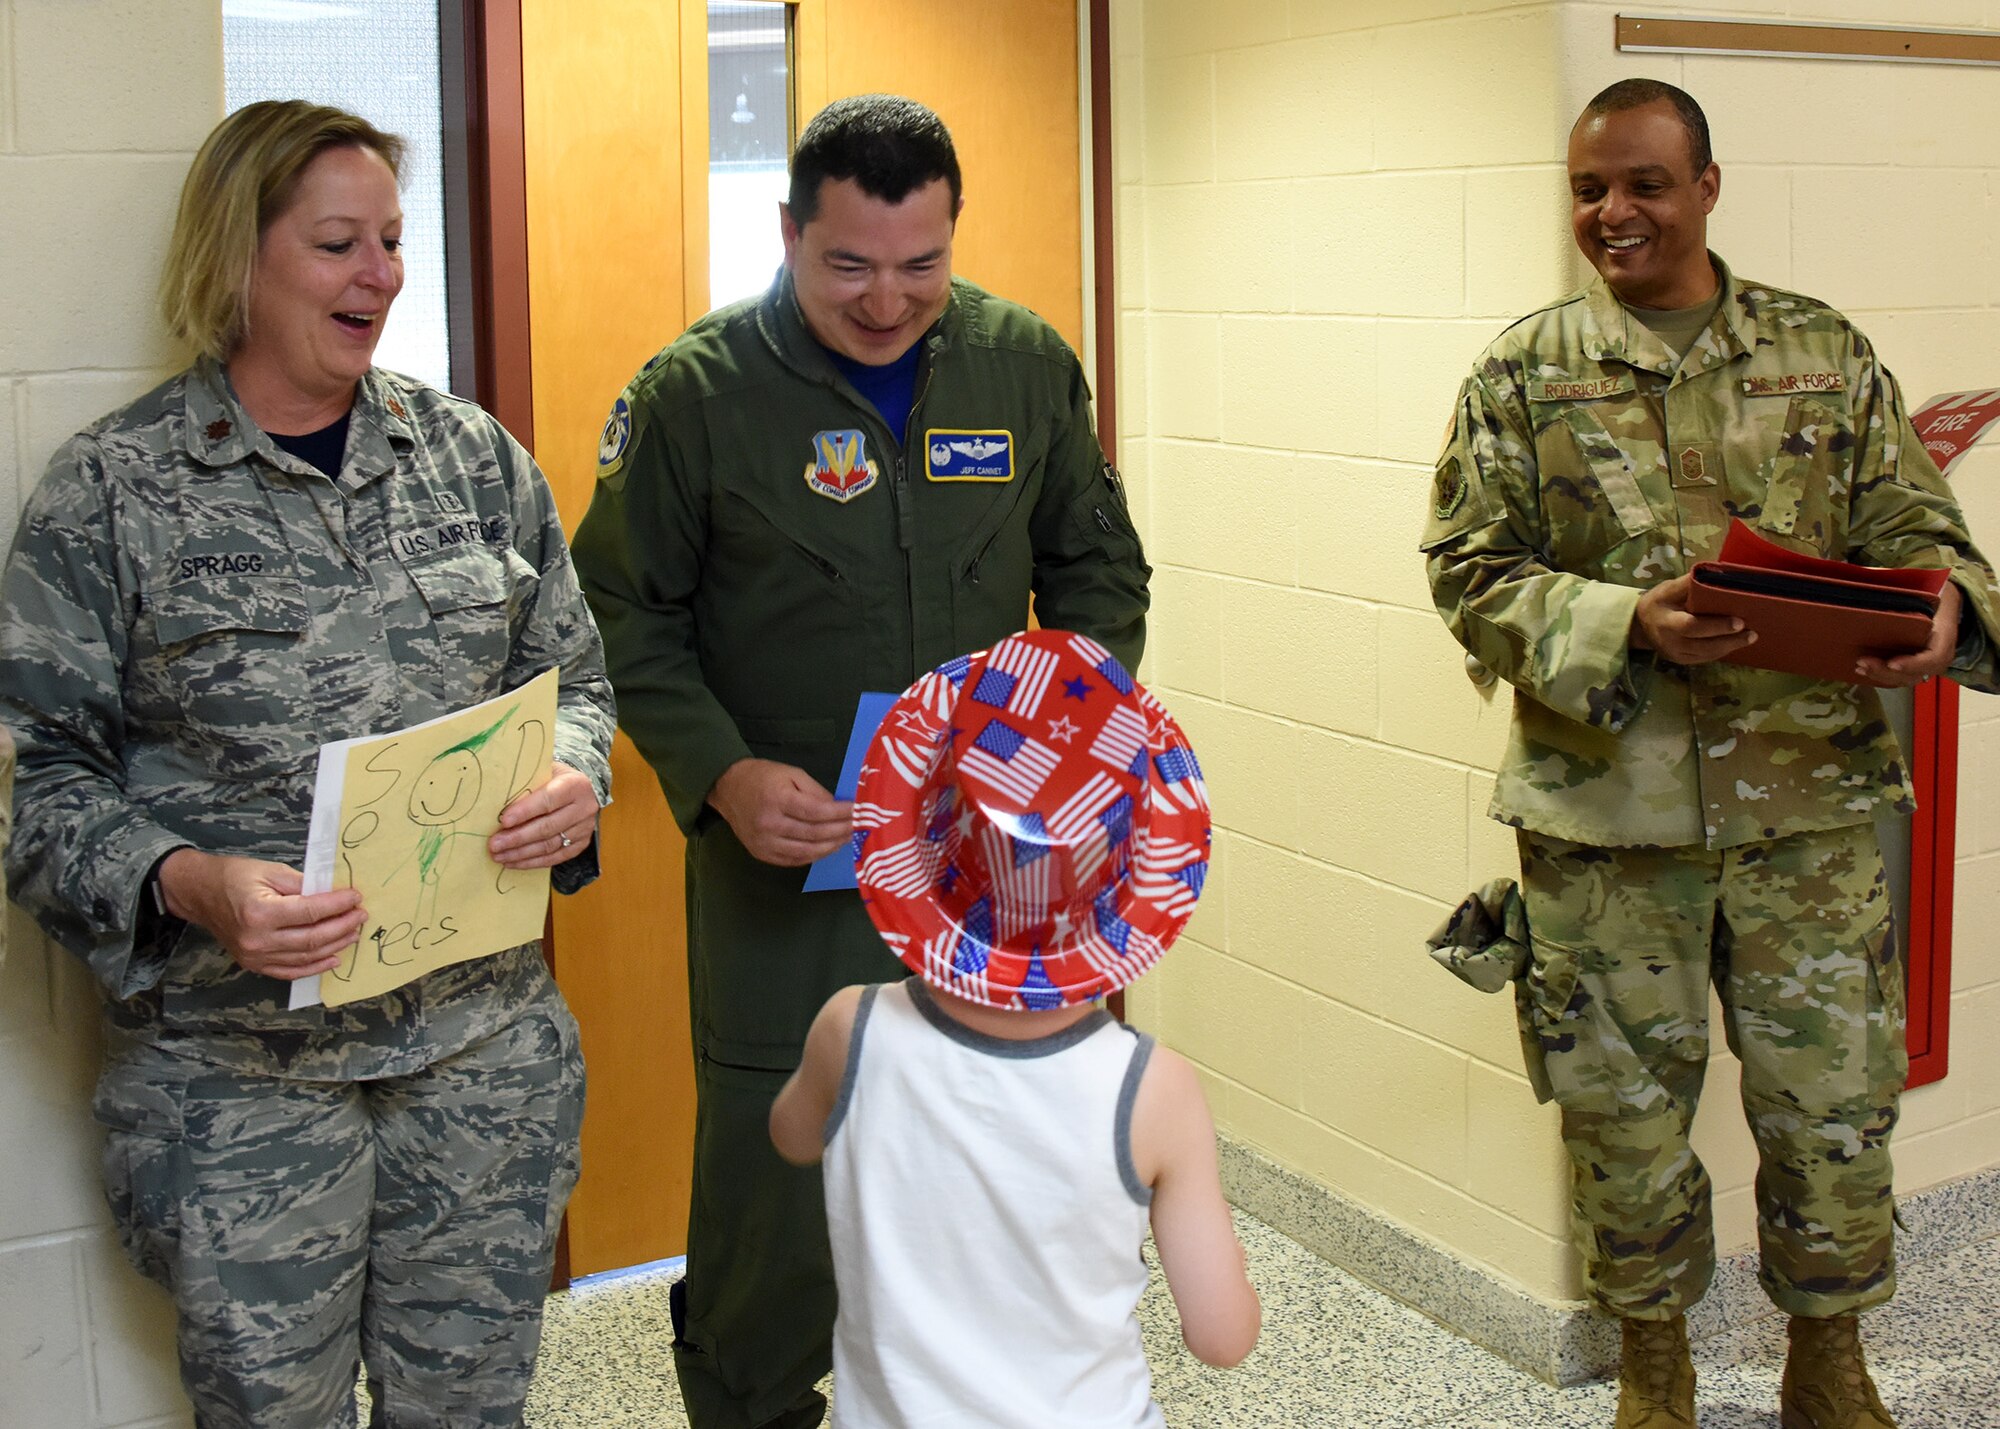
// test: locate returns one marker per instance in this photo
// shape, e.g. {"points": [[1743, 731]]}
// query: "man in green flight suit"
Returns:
{"points": [[830, 489], [1684, 818]]}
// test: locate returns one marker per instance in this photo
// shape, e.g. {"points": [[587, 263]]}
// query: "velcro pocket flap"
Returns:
{"points": [[195, 609], [460, 580]]}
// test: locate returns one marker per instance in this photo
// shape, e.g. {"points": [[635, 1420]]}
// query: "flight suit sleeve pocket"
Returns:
{"points": [[1099, 512]]}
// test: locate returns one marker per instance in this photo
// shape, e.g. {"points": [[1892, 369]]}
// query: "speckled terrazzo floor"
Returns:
{"points": [[1337, 1355]]}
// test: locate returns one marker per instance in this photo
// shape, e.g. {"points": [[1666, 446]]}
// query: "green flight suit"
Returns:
{"points": [[1688, 824], [761, 549]]}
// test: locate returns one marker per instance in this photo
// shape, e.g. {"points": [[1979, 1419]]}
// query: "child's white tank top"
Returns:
{"points": [[986, 1223]]}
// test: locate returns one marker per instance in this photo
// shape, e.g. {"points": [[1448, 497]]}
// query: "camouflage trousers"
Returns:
{"points": [[308, 1227], [1795, 936]]}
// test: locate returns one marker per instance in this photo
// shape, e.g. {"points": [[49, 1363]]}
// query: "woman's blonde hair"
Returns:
{"points": [[246, 174]]}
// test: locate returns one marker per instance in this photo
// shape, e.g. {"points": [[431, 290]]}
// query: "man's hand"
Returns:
{"points": [[1913, 669], [549, 825], [255, 910], [781, 813], [1663, 623]]}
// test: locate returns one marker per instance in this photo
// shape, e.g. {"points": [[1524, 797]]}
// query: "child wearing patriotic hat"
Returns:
{"points": [[1031, 832]]}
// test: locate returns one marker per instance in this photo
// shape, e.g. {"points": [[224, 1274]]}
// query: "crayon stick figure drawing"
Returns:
{"points": [[415, 811]]}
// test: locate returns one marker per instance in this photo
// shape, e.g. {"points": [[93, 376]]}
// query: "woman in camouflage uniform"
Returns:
{"points": [[282, 546]]}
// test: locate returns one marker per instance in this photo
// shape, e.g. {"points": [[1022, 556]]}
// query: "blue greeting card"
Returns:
{"points": [[836, 870]]}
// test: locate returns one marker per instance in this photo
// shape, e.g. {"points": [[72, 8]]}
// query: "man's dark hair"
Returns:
{"points": [[1634, 93], [889, 145]]}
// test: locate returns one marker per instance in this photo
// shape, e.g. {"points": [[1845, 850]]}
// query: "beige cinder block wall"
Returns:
{"points": [[102, 104], [1326, 210]]}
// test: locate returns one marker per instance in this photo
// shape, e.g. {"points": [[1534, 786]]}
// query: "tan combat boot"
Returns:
{"points": [[1826, 1382], [1655, 1376]]}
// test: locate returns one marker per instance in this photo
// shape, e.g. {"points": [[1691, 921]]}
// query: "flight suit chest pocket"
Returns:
{"points": [[974, 479], [475, 597], [1806, 491], [764, 537], [233, 647], [1593, 502]]}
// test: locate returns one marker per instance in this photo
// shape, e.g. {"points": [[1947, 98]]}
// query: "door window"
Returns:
{"points": [[378, 59], [751, 126]]}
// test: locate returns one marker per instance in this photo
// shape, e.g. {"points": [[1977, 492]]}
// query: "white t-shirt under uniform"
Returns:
{"points": [[986, 1223]]}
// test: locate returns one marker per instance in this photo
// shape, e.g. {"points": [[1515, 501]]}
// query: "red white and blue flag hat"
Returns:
{"points": [[1030, 825]]}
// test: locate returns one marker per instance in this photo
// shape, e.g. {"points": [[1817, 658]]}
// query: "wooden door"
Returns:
{"points": [[614, 122], [602, 126], [1003, 76]]}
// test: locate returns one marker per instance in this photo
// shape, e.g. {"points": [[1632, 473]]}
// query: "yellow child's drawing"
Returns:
{"points": [[416, 810]]}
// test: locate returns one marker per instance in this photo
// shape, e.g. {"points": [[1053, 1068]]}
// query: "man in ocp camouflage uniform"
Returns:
{"points": [[1683, 819]]}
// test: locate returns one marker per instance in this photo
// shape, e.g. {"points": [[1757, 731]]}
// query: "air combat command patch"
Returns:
{"points": [[840, 468], [968, 455]]}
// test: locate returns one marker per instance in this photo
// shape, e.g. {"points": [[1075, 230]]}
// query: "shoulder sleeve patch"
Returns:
{"points": [[1467, 482], [1457, 504], [1449, 489], [615, 441]]}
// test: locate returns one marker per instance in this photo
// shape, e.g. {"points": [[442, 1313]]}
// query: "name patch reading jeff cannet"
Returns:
{"points": [[1794, 382]]}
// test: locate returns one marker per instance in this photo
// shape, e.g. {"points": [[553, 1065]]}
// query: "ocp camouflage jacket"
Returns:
{"points": [[1585, 466]]}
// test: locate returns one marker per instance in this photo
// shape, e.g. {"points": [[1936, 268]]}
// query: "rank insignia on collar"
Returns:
{"points": [[840, 469], [218, 429], [396, 410]]}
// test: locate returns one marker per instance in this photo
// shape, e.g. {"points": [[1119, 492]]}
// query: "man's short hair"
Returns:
{"points": [[889, 145], [1634, 93]]}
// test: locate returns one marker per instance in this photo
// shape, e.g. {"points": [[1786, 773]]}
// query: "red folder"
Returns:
{"points": [[1814, 616]]}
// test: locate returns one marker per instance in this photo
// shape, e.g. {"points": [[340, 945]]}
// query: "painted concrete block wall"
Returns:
{"points": [[102, 104], [1326, 210]]}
